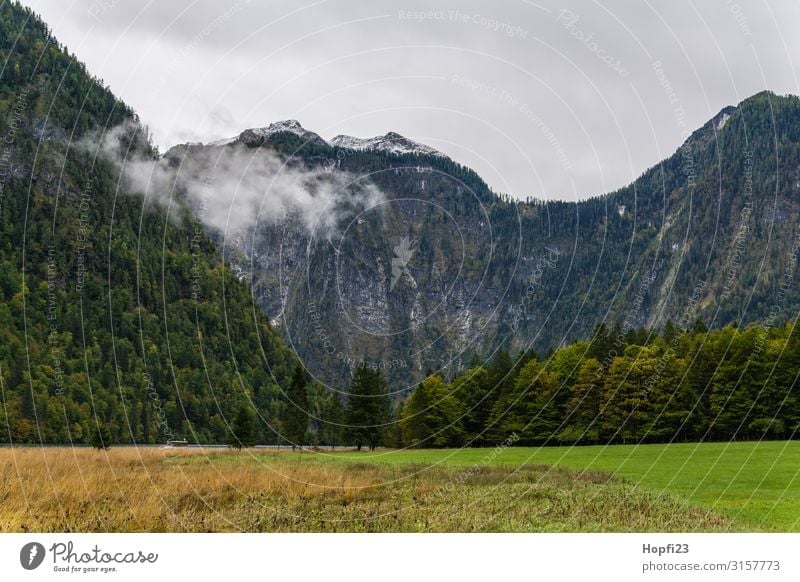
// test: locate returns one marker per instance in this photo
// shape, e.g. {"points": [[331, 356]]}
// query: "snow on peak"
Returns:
{"points": [[286, 126], [722, 121], [261, 133], [349, 142], [290, 125], [391, 142]]}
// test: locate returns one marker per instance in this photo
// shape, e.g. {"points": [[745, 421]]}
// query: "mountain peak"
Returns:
{"points": [[289, 124], [391, 142], [258, 134], [285, 126]]}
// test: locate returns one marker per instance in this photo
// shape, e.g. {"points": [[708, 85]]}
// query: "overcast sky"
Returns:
{"points": [[549, 99]]}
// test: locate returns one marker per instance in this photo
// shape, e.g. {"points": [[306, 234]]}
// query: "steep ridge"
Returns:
{"points": [[114, 318], [392, 142]]}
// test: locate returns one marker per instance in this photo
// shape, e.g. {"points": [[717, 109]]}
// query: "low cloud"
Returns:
{"points": [[235, 188]]}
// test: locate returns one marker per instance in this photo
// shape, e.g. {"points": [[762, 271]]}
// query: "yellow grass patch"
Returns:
{"points": [[147, 489]]}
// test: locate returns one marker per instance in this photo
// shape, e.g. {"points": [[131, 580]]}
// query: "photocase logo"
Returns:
{"points": [[31, 555], [402, 256]]}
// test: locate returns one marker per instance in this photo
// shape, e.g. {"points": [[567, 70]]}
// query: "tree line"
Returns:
{"points": [[636, 386], [620, 386], [364, 419]]}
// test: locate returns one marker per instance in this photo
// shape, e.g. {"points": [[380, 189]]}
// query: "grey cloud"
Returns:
{"points": [[199, 69], [235, 188]]}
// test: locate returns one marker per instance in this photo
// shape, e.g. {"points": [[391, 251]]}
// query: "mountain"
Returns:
{"points": [[392, 142], [443, 269], [258, 135], [117, 316], [138, 310]]}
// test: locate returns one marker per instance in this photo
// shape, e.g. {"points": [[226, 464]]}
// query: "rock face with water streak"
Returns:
{"points": [[441, 267]]}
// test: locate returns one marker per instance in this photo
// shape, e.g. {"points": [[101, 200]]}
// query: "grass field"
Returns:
{"points": [[756, 485], [708, 487]]}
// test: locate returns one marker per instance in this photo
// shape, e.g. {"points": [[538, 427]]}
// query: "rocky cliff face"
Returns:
{"points": [[397, 285], [438, 268]]}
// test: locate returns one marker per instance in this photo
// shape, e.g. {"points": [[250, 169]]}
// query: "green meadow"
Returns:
{"points": [[755, 484], [712, 487]]}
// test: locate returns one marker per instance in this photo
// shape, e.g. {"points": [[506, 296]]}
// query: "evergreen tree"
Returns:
{"points": [[101, 436], [582, 409], [600, 345], [333, 420], [734, 385], [667, 403], [473, 391], [295, 423], [669, 332], [368, 408], [243, 429], [722, 384]]}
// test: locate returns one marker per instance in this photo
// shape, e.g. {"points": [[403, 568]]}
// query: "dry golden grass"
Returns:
{"points": [[128, 489]]}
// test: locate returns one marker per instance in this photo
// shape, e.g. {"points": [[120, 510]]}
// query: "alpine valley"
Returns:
{"points": [[164, 290]]}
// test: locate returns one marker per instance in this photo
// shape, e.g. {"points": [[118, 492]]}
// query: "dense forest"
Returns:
{"points": [[622, 386], [113, 318]]}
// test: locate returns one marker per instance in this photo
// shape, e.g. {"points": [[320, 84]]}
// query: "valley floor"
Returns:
{"points": [[681, 487]]}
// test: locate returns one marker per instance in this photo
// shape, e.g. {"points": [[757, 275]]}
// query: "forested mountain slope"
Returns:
{"points": [[111, 315]]}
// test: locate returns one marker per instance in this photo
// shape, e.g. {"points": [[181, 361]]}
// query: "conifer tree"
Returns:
{"points": [[295, 423], [368, 408], [243, 429]]}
